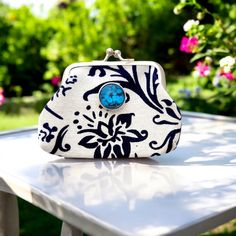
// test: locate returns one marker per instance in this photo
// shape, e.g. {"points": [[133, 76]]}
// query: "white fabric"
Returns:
{"points": [[135, 129]]}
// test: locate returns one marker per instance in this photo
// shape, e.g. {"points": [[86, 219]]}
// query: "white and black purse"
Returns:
{"points": [[110, 109]]}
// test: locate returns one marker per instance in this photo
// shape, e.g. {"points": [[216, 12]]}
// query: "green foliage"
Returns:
{"points": [[136, 27], [75, 39], [190, 96], [25, 105], [22, 36], [33, 49], [214, 53]]}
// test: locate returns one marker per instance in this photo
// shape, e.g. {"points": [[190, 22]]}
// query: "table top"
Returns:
{"points": [[184, 192]]}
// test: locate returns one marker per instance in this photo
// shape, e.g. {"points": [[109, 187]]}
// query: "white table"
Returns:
{"points": [[185, 192]]}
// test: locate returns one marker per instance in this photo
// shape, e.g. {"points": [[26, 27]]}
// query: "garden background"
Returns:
{"points": [[194, 41]]}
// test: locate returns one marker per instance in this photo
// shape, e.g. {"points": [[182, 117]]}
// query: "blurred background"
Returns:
{"points": [[193, 40], [39, 39]]}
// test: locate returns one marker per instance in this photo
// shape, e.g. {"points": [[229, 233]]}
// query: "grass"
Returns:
{"points": [[34, 221], [14, 121], [21, 111]]}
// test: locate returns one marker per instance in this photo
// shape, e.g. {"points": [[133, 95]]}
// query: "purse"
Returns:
{"points": [[110, 109]]}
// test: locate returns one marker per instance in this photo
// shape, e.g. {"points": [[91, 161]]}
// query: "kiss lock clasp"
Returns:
{"points": [[115, 53]]}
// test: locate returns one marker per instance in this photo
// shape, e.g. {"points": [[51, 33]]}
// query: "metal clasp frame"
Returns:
{"points": [[115, 53]]}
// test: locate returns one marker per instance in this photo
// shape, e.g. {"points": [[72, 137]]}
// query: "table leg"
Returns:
{"points": [[69, 230], [9, 217]]}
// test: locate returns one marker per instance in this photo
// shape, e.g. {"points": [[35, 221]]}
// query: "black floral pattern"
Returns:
{"points": [[48, 109], [112, 134], [46, 134], [113, 138], [130, 81], [59, 141], [168, 141], [148, 94], [66, 87]]}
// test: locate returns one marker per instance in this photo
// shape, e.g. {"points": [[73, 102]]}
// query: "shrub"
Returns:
{"points": [[211, 38], [34, 50], [22, 66]]}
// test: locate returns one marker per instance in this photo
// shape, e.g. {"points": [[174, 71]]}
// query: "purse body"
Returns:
{"points": [[75, 123]]}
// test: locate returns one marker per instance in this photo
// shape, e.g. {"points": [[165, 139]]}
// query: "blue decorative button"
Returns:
{"points": [[112, 96]]}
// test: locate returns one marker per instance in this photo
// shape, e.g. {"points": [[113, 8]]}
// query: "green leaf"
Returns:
{"points": [[220, 50], [198, 56]]}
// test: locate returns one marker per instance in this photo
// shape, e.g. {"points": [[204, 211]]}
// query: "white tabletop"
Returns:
{"points": [[182, 193]]}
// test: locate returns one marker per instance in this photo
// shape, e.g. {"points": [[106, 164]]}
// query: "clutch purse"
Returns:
{"points": [[110, 109]]}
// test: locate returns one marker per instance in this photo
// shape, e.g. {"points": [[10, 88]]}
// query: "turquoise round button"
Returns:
{"points": [[112, 96]]}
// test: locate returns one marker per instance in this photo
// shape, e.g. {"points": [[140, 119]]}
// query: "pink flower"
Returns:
{"points": [[202, 69], [2, 97], [55, 80], [228, 75], [189, 45]]}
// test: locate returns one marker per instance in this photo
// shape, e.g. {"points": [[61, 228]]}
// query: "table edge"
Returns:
{"points": [[52, 205], [207, 223]]}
